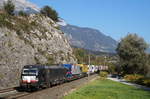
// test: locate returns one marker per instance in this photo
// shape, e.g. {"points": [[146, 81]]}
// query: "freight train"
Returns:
{"points": [[41, 76]]}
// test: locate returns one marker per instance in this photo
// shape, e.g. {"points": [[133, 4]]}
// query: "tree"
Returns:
{"points": [[9, 7], [48, 11], [147, 67], [131, 51], [22, 13], [81, 55]]}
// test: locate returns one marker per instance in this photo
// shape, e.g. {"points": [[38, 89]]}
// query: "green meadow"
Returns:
{"points": [[107, 89]]}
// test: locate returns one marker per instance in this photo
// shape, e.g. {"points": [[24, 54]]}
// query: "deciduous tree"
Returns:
{"points": [[131, 51]]}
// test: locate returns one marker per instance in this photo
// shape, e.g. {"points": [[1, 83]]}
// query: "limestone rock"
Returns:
{"points": [[33, 40]]}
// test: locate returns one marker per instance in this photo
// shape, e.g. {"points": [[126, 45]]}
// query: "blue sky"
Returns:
{"points": [[115, 18]]}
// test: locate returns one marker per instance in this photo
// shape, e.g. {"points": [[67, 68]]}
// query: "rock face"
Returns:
{"points": [[32, 40]]}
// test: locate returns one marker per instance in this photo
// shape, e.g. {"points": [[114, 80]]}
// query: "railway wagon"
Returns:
{"points": [[84, 69], [69, 75], [91, 69], [42, 76], [76, 71]]}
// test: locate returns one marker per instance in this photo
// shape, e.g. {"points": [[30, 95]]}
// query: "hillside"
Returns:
{"points": [[89, 38], [23, 5], [29, 40]]}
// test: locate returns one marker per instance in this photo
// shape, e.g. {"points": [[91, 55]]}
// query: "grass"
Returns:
{"points": [[107, 89]]}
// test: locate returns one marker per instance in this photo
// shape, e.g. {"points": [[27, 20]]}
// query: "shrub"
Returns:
{"points": [[103, 74], [4, 21], [146, 82], [139, 79], [22, 13], [9, 7], [48, 11], [133, 77], [1, 76]]}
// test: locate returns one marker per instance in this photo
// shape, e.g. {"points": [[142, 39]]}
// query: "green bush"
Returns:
{"points": [[133, 77], [4, 21], [9, 7], [50, 12], [146, 82], [139, 79], [1, 76], [22, 13], [103, 74]]}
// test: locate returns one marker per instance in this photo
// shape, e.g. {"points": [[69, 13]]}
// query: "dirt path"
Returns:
{"points": [[59, 91]]}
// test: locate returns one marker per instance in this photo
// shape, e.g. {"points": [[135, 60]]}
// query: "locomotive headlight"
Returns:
{"points": [[23, 78]]}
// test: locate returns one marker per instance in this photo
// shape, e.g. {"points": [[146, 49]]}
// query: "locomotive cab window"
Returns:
{"points": [[30, 72]]}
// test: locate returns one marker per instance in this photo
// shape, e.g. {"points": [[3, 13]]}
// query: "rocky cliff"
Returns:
{"points": [[29, 40]]}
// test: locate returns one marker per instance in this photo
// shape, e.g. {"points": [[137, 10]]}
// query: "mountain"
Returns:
{"points": [[90, 39], [148, 50], [23, 5], [61, 22]]}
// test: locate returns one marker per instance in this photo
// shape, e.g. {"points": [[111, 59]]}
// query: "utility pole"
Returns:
{"points": [[89, 59], [104, 60], [89, 66]]}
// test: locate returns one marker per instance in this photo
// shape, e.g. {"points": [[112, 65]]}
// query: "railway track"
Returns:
{"points": [[12, 93], [7, 90], [15, 95], [58, 91]]}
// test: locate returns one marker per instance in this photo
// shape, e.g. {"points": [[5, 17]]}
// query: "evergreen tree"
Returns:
{"points": [[9, 7], [22, 13], [48, 11]]}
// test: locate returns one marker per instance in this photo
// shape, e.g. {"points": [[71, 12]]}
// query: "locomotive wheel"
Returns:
{"points": [[38, 87]]}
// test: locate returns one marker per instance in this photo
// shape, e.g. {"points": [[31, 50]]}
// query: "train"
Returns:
{"points": [[45, 76]]}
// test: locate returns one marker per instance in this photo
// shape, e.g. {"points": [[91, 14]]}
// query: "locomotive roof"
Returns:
{"points": [[43, 66]]}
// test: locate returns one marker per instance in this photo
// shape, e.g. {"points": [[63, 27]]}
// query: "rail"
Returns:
{"points": [[7, 90]]}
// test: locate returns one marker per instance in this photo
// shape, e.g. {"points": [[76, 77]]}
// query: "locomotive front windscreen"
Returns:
{"points": [[30, 72]]}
